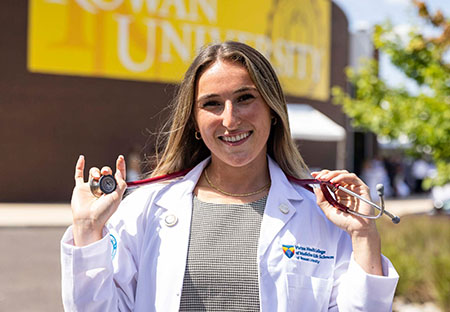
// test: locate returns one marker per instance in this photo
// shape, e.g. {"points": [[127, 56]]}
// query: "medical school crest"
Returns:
{"points": [[306, 253], [289, 250]]}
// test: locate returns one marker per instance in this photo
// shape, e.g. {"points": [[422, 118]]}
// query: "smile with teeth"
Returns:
{"points": [[236, 138]]}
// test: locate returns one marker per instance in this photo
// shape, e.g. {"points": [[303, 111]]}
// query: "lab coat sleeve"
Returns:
{"points": [[356, 290], [89, 281]]}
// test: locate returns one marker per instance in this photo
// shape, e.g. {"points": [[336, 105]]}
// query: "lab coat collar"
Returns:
{"points": [[184, 187], [281, 188], [279, 207]]}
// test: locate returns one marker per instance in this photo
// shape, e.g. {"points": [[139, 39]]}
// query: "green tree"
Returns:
{"points": [[393, 112]]}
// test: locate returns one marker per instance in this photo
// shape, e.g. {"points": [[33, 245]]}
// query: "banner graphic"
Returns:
{"points": [[156, 40]]}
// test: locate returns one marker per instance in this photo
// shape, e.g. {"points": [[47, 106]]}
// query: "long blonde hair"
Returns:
{"points": [[181, 150]]}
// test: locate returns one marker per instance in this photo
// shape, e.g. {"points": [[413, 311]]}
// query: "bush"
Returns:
{"points": [[419, 248]]}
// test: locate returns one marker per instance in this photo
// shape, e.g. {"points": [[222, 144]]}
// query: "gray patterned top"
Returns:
{"points": [[221, 270]]}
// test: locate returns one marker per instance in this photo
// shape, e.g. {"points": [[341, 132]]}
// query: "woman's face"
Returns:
{"points": [[233, 119]]}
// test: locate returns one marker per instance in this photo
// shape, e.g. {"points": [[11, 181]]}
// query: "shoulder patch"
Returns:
{"points": [[114, 245]]}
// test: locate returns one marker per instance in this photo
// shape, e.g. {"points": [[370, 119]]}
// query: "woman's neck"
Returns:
{"points": [[222, 183]]}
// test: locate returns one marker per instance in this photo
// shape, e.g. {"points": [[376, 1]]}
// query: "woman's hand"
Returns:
{"points": [[90, 213], [363, 231], [350, 223]]}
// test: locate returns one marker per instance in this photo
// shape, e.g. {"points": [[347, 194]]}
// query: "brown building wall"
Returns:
{"points": [[46, 121], [323, 154]]}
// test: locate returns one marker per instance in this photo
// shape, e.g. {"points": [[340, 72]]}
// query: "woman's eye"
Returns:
{"points": [[210, 103], [245, 97]]}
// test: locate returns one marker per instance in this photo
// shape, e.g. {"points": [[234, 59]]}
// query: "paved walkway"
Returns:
{"points": [[31, 214]]}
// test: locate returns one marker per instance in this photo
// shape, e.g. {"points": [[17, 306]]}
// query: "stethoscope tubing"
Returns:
{"points": [[326, 187]]}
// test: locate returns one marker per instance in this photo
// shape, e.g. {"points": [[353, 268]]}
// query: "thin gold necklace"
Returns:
{"points": [[265, 187]]}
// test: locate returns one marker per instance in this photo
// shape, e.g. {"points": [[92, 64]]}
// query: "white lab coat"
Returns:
{"points": [[141, 266]]}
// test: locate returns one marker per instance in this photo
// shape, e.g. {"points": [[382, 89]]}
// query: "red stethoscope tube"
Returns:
{"points": [[107, 184]]}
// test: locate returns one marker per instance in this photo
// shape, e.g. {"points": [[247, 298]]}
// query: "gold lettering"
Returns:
{"points": [[177, 5], [208, 7], [108, 5], [170, 38], [123, 44]]}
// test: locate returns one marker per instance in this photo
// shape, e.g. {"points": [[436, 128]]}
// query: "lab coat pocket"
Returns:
{"points": [[308, 293]]}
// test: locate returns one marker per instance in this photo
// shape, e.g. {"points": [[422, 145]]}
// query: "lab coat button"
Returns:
{"points": [[284, 208], [170, 220]]}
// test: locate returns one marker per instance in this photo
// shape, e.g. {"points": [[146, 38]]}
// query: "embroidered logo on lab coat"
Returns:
{"points": [[306, 253], [289, 250]]}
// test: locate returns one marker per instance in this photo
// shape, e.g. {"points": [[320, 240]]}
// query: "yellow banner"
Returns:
{"points": [[155, 40]]}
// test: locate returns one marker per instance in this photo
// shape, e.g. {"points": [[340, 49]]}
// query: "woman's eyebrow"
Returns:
{"points": [[244, 89], [207, 96], [240, 90]]}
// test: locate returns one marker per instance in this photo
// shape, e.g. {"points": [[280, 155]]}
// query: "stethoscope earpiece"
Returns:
{"points": [[327, 186]]}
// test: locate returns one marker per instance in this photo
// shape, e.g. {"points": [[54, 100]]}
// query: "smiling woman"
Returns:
{"points": [[234, 233], [234, 123]]}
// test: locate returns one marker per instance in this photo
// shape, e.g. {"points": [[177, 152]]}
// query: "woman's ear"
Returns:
{"points": [[274, 120]]}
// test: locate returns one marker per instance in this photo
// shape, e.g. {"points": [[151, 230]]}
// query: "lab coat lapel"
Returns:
{"points": [[176, 202], [279, 208]]}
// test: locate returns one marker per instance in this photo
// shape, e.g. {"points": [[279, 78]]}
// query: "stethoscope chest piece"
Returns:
{"points": [[106, 185]]}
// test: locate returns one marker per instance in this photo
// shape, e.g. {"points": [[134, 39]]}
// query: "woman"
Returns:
{"points": [[233, 233]]}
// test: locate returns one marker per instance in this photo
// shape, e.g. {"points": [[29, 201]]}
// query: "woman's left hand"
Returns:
{"points": [[363, 232], [348, 222]]}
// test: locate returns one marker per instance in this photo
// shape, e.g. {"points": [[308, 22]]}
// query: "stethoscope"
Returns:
{"points": [[107, 184]]}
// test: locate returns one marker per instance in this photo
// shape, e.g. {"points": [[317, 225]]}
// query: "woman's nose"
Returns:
{"points": [[230, 116]]}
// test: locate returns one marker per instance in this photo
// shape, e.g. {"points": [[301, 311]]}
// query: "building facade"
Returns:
{"points": [[57, 101]]}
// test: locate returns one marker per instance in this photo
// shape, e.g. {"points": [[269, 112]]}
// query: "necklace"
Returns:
{"points": [[265, 187]]}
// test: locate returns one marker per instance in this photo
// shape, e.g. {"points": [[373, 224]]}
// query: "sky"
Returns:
{"points": [[363, 14]]}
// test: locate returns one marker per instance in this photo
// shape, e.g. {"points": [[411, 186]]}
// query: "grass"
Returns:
{"points": [[419, 248]]}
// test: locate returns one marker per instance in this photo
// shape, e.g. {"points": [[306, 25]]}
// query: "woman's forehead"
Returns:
{"points": [[223, 75]]}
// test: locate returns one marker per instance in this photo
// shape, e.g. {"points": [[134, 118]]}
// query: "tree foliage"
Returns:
{"points": [[393, 111]]}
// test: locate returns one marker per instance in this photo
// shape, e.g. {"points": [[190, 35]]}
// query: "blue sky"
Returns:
{"points": [[366, 13]]}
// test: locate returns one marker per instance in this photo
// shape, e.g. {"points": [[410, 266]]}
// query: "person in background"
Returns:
{"points": [[233, 234], [420, 171], [374, 172], [134, 164]]}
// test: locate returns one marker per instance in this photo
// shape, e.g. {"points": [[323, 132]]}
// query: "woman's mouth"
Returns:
{"points": [[236, 138]]}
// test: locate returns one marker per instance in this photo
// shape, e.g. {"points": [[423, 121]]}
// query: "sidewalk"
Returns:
{"points": [[48, 215], [416, 204], [32, 214]]}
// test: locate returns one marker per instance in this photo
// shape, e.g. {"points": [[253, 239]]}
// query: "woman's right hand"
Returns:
{"points": [[90, 213]]}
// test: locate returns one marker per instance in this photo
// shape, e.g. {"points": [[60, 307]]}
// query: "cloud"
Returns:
{"points": [[403, 30], [398, 2], [362, 25]]}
